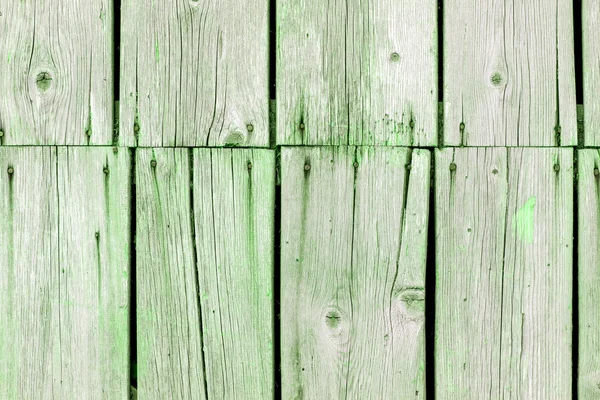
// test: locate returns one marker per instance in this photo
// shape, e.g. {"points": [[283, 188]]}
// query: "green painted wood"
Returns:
{"points": [[56, 60], [509, 73], [590, 23], [194, 73], [204, 250], [64, 284], [353, 252], [359, 73], [589, 274], [504, 284]]}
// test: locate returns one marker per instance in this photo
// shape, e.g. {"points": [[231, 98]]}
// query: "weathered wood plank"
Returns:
{"points": [[194, 73], [234, 200], [205, 265], [504, 234], [357, 72], [509, 73], [589, 274], [64, 308], [590, 21], [353, 249], [57, 72]]}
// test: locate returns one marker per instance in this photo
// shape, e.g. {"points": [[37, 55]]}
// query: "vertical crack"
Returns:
{"points": [[195, 255]]}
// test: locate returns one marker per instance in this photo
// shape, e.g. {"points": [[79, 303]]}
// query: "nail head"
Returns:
{"points": [[556, 167], [153, 163], [250, 127], [596, 172], [302, 126], [395, 57], [105, 170], [307, 167], [10, 170], [452, 167], [249, 165], [462, 126]]}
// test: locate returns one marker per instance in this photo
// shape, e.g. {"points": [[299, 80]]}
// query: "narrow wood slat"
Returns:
{"points": [[64, 284], [509, 73], [57, 72], [353, 252], [589, 274], [352, 72], [590, 24], [504, 228], [204, 273], [194, 73]]}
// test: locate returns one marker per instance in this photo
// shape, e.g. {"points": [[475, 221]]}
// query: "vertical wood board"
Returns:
{"points": [[205, 265], [56, 60], [353, 253], [589, 274], [64, 311], [590, 21], [357, 73], [504, 237], [509, 73], [194, 73]]}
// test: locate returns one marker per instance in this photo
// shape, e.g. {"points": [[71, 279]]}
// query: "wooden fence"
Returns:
{"points": [[299, 199]]}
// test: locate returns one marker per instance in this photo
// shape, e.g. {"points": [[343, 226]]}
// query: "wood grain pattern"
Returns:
{"points": [[356, 72], [205, 265], [56, 60], [353, 252], [504, 235], [589, 274], [64, 308], [194, 73], [509, 73], [590, 23]]}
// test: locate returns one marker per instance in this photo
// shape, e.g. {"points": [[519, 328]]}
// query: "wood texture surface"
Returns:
{"points": [[357, 72], [64, 284], [204, 273], [509, 73], [589, 274], [504, 236], [194, 73], [353, 253], [590, 21], [56, 80]]}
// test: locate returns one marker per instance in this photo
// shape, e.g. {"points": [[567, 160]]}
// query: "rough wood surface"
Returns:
{"points": [[205, 265], [353, 249], [56, 59], [194, 73], [509, 73], [590, 21], [504, 235], [357, 72], [64, 284], [589, 274]]}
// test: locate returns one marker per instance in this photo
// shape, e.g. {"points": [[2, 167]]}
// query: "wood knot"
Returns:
{"points": [[43, 81], [496, 79], [234, 139], [411, 302], [333, 319]]}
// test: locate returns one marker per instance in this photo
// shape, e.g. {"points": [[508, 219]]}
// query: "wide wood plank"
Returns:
{"points": [[355, 72], [204, 273], [57, 72], [64, 307], [589, 274], [590, 24], [194, 73], [353, 252], [509, 73], [504, 236]]}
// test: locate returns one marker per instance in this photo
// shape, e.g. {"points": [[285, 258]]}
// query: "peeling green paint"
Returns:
{"points": [[523, 221]]}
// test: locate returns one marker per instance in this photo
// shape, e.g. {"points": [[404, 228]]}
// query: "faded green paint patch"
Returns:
{"points": [[156, 52], [523, 221]]}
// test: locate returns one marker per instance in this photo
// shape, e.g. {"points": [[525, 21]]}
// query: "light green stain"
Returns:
{"points": [[156, 52], [8, 59], [522, 223]]}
